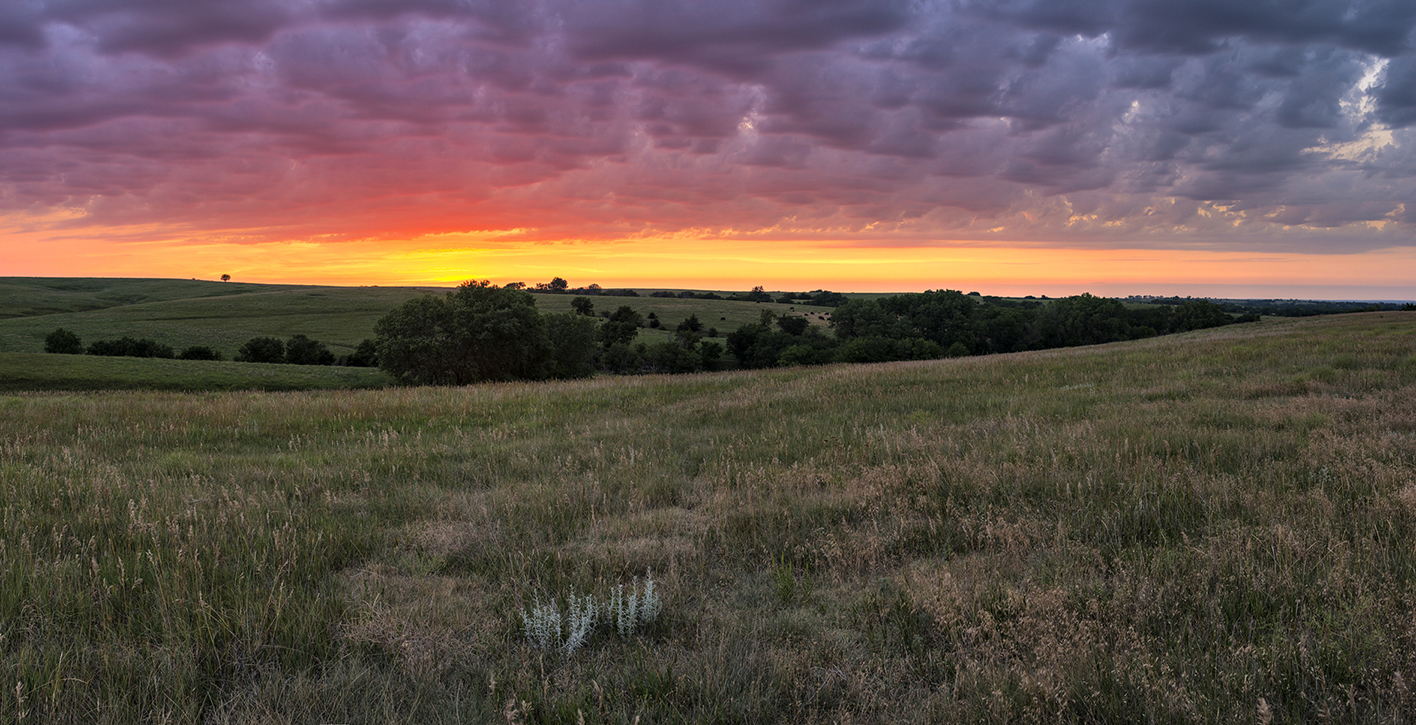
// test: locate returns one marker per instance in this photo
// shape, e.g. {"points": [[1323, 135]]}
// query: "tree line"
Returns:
{"points": [[948, 323], [482, 332], [558, 285], [298, 350]]}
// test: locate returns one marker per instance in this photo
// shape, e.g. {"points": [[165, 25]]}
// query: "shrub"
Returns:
{"points": [[573, 345], [366, 355], [129, 347], [793, 325], [63, 342], [1198, 315], [620, 358], [621, 327], [301, 350], [199, 352], [262, 350], [712, 354], [671, 357], [625, 614], [546, 630], [690, 324]]}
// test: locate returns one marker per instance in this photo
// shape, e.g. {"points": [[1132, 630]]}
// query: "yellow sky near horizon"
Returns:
{"points": [[730, 264]]}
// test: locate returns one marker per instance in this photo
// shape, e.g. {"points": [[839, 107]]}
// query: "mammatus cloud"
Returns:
{"points": [[1266, 124]]}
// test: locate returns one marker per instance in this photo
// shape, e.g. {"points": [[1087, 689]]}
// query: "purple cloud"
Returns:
{"points": [[1049, 119]]}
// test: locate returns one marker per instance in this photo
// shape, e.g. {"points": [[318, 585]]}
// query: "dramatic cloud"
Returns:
{"points": [[1267, 124]]}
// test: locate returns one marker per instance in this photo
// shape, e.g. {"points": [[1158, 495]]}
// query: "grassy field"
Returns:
{"points": [[30, 296], [725, 315], [223, 315], [20, 371], [338, 316], [1209, 527]]}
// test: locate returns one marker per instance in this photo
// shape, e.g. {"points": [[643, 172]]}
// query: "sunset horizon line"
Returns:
{"points": [[649, 285]]}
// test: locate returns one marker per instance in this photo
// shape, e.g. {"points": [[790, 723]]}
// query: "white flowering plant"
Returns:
{"points": [[547, 629]]}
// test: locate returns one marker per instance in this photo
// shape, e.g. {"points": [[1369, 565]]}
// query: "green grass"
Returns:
{"points": [[223, 315], [20, 371], [30, 296], [338, 316], [725, 315], [1209, 527]]}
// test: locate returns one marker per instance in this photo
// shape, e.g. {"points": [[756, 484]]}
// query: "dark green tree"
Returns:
{"points": [[690, 324], [262, 350], [63, 342], [301, 350], [366, 355], [478, 332], [199, 352], [672, 357], [1081, 320], [573, 341], [413, 341], [583, 306], [712, 355], [1198, 315], [129, 347], [793, 325], [621, 328]]}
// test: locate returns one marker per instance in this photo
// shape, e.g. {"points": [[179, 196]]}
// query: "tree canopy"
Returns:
{"points": [[63, 342], [476, 333]]}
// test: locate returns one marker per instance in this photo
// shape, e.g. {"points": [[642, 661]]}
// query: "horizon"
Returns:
{"points": [[575, 288]]}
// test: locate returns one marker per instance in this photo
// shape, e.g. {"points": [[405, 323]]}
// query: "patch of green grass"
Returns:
{"points": [[338, 316], [42, 371], [29, 296]]}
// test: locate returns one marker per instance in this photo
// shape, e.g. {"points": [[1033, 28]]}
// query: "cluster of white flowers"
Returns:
{"points": [[546, 629]]}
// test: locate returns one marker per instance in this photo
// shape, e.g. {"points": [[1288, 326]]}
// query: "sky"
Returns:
{"points": [[1227, 148]]}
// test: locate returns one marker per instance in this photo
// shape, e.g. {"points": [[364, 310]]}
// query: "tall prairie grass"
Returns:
{"points": [[1216, 526]]}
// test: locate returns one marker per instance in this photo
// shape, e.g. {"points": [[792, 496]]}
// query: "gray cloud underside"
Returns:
{"points": [[1264, 123]]}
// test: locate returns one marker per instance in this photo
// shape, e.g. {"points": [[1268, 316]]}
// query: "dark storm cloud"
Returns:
{"points": [[171, 27], [928, 119], [1197, 27], [738, 36], [1396, 95], [20, 24]]}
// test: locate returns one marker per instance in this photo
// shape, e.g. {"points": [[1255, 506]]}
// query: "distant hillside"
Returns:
{"points": [[35, 296], [223, 315], [339, 316]]}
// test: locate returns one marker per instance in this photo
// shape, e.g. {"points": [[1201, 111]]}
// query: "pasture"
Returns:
{"points": [[223, 315], [1209, 527]]}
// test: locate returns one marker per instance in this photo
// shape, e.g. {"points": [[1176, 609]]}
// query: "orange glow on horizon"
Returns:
{"points": [[730, 264]]}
